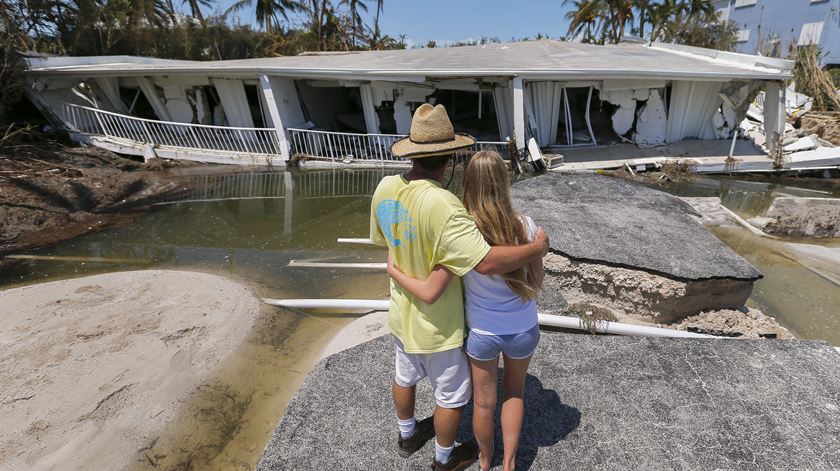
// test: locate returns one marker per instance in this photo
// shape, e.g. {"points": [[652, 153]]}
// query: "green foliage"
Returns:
{"points": [[690, 22]]}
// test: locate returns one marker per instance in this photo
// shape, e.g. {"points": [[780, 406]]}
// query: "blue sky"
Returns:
{"points": [[455, 20]]}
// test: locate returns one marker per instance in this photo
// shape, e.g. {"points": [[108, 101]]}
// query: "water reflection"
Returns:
{"points": [[241, 223], [748, 198]]}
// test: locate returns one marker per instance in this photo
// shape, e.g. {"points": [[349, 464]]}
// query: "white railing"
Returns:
{"points": [[223, 139], [339, 146], [333, 146]]}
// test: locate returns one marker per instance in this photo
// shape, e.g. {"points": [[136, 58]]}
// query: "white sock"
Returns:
{"points": [[407, 427], [442, 453]]}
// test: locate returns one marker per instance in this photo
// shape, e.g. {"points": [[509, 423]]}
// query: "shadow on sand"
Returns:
{"points": [[547, 421]]}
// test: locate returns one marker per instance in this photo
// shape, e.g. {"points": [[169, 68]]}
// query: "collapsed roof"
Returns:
{"points": [[533, 60]]}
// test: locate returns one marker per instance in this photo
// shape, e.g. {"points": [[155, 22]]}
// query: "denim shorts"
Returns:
{"points": [[485, 347]]}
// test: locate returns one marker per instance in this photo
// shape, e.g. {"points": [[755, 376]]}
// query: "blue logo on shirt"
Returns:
{"points": [[391, 215]]}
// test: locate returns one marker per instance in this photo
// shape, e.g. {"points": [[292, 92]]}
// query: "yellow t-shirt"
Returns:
{"points": [[424, 225]]}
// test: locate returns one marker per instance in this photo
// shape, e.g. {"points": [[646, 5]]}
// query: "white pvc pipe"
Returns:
{"points": [[566, 322], [368, 304], [350, 240], [305, 264], [607, 327]]}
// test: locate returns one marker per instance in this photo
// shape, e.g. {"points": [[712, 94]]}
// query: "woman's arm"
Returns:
{"points": [[539, 271], [428, 290]]}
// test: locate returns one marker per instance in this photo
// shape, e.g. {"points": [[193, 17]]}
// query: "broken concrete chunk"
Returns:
{"points": [[622, 119], [760, 222], [719, 123], [623, 98], [652, 122], [805, 143]]}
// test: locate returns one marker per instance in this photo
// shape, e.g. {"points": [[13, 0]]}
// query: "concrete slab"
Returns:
{"points": [[595, 403], [700, 153], [610, 221]]}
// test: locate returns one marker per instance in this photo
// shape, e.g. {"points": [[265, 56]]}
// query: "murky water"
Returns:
{"points": [[245, 226], [803, 301]]}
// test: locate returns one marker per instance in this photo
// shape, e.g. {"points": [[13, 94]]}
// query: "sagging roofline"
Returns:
{"points": [[532, 60], [411, 75]]}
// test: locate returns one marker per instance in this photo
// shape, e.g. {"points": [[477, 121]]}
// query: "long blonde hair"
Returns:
{"points": [[487, 198]]}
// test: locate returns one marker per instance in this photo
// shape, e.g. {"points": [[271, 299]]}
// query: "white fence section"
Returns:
{"points": [[203, 139], [199, 137], [339, 146]]}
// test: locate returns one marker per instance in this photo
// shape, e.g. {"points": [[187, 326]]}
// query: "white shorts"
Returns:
{"points": [[448, 371]]}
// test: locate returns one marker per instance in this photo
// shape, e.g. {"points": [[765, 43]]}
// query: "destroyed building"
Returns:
{"points": [[350, 106], [775, 27]]}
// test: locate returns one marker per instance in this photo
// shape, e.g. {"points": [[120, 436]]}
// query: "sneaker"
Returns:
{"points": [[462, 457], [423, 431]]}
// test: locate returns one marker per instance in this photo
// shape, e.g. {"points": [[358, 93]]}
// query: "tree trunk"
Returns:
{"points": [[196, 11]]}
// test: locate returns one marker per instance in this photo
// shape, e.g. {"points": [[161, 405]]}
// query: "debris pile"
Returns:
{"points": [[809, 135], [823, 124], [746, 323]]}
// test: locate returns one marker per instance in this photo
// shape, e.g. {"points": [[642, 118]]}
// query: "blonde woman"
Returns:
{"points": [[501, 311]]}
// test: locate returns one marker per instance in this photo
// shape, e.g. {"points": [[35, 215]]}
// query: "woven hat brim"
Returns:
{"points": [[406, 148]]}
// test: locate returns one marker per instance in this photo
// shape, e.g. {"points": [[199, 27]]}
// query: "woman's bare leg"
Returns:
{"points": [[485, 378], [513, 408]]}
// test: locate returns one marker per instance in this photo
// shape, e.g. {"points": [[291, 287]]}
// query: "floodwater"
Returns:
{"points": [[245, 226], [805, 302], [242, 226]]}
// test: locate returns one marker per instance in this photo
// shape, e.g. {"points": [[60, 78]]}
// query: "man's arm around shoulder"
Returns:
{"points": [[506, 258]]}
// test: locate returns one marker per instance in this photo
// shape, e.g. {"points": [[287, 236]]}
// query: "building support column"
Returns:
{"points": [[519, 112], [774, 114], [274, 113]]}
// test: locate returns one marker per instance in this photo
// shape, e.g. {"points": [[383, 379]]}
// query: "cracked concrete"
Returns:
{"points": [[605, 220], [635, 251], [595, 402], [634, 294]]}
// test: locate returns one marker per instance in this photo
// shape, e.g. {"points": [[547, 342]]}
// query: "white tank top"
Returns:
{"points": [[492, 308]]}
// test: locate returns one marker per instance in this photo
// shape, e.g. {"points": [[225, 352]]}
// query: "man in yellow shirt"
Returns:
{"points": [[424, 225]]}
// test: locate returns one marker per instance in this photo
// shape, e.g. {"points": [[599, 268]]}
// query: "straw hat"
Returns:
{"points": [[431, 135]]}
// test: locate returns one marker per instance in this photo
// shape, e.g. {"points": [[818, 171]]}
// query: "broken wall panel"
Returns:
{"points": [[651, 122]]}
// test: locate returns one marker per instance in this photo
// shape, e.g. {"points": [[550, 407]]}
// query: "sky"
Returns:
{"points": [[446, 21]]}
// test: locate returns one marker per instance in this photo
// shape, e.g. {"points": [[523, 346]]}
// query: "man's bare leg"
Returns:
{"points": [[404, 401], [446, 424]]}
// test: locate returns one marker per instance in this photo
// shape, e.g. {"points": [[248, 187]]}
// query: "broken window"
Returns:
{"points": [[255, 105], [471, 112], [574, 126], [138, 104], [332, 107]]}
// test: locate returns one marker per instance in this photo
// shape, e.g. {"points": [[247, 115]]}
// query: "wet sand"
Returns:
{"points": [[96, 367]]}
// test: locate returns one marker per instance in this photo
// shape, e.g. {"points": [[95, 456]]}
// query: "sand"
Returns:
{"points": [[94, 368]]}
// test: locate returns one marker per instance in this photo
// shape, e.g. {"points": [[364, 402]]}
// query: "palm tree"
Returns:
{"points": [[583, 17], [376, 35], [667, 18], [268, 12], [356, 19], [621, 13], [643, 6], [195, 10], [698, 10]]}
